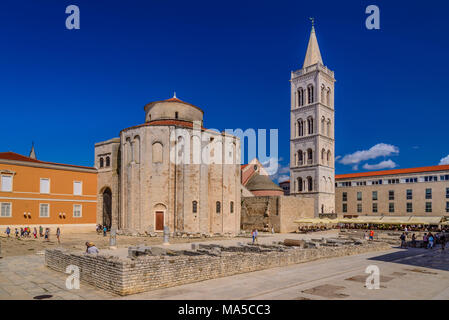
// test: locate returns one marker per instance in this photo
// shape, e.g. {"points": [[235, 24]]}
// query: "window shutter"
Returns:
{"points": [[6, 183], [77, 188], [45, 186]]}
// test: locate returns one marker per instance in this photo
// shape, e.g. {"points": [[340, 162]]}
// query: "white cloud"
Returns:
{"points": [[282, 173], [444, 160], [386, 164], [379, 150]]}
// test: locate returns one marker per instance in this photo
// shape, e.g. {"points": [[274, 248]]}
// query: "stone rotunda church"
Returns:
{"points": [[170, 171]]}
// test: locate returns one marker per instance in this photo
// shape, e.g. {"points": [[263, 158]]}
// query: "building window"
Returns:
{"points": [[345, 196], [77, 188], [309, 183], [300, 97], [101, 163], [409, 207], [6, 183], [300, 127], [232, 206], [374, 195], [176, 115], [218, 207], [409, 194], [447, 193], [391, 207], [359, 207], [447, 206], [5, 209], [45, 185], [391, 195], [44, 210], [310, 94], [345, 207], [310, 126], [194, 206], [299, 184], [429, 193], [374, 207], [108, 161], [309, 156], [393, 181], [359, 195], [77, 211], [428, 206]]}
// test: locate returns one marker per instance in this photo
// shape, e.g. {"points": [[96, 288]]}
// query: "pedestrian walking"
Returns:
{"points": [[105, 230], [425, 240], [41, 231], [256, 233], [35, 233], [431, 241], [413, 240], [47, 234], [371, 235], [8, 231], [58, 235], [443, 241], [403, 242], [253, 235], [17, 233]]}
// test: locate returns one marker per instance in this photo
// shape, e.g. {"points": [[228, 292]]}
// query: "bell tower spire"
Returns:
{"points": [[313, 54]]}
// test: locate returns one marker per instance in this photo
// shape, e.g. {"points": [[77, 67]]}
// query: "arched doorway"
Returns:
{"points": [[107, 208]]}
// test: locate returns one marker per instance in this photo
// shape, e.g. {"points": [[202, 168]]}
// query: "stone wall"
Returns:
{"points": [[127, 276], [279, 212]]}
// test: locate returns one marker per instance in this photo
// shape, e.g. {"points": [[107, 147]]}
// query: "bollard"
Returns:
{"points": [[166, 235], [113, 239]]}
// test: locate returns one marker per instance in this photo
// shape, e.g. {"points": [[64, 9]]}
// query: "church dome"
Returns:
{"points": [[173, 109], [261, 184]]}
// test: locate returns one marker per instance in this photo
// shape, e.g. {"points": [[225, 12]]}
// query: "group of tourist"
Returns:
{"points": [[429, 240], [103, 229], [26, 233], [306, 229]]}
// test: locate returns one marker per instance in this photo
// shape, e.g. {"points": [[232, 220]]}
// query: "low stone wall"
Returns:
{"points": [[129, 276]]}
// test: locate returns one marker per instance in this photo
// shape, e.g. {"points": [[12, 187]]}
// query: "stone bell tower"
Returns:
{"points": [[312, 165]]}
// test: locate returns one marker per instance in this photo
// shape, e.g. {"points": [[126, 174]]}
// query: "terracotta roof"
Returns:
{"points": [[392, 172], [15, 156], [18, 157], [172, 100], [168, 122]]}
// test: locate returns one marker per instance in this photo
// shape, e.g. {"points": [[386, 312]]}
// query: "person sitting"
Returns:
{"points": [[91, 248]]}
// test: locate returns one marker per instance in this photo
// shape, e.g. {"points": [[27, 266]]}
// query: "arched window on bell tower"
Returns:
{"points": [[310, 125], [309, 156], [300, 127], [310, 94], [309, 184], [300, 102], [300, 158]]}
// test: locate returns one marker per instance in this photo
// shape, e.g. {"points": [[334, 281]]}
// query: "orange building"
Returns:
{"points": [[38, 193]]}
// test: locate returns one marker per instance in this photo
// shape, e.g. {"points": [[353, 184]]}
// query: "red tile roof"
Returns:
{"points": [[392, 172], [18, 157]]}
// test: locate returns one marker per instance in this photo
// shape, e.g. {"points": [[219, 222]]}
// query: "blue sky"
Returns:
{"points": [[67, 89]]}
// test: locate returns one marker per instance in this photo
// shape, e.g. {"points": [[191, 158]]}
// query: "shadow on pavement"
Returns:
{"points": [[418, 257]]}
